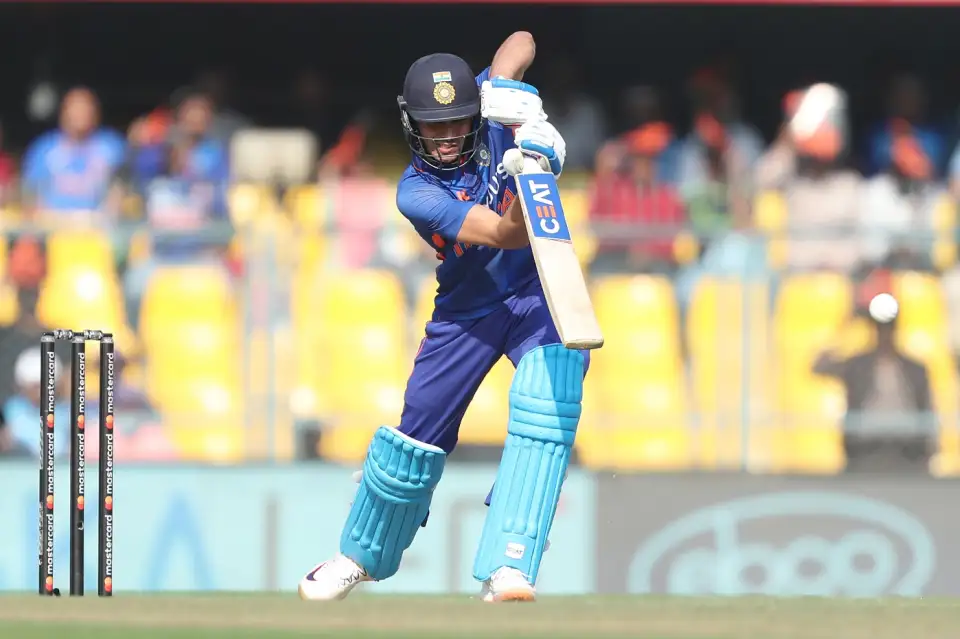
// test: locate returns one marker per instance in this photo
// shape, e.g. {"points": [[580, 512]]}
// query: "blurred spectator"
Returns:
{"points": [[188, 149], [823, 197], [225, 120], [314, 110], [899, 205], [953, 177], [341, 132], [10, 448], [889, 423], [26, 270], [717, 156], [642, 105], [146, 135], [71, 169], [8, 173], [21, 411], [573, 111], [347, 158], [130, 402], [635, 217], [906, 103], [186, 180]]}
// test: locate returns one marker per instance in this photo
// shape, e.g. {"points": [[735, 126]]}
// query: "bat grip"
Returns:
{"points": [[530, 165]]}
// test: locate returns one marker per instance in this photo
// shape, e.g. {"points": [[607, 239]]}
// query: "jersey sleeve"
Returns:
{"points": [[431, 209], [34, 168], [484, 75]]}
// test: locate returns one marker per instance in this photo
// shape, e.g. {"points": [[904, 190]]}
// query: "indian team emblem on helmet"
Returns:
{"points": [[483, 155], [444, 93]]}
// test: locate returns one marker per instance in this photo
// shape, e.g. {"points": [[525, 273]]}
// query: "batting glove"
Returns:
{"points": [[541, 140], [509, 102]]}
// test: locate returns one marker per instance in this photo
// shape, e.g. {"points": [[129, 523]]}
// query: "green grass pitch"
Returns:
{"points": [[272, 616]]}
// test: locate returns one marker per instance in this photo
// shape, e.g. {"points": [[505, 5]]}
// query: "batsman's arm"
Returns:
{"points": [[514, 56], [434, 212], [484, 227]]}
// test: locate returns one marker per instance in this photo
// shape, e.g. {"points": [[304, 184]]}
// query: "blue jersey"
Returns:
{"points": [[472, 280]]}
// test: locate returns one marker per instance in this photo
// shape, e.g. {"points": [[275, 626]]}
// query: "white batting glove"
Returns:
{"points": [[509, 102], [541, 140]]}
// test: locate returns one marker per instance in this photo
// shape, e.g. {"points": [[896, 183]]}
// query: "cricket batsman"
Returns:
{"points": [[489, 303]]}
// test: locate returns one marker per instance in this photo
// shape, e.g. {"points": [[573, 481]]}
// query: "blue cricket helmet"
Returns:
{"points": [[439, 87]]}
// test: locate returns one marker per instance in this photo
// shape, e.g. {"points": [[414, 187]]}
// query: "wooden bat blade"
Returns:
{"points": [[561, 277]]}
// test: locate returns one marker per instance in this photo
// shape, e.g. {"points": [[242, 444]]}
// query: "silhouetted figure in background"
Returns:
{"points": [[889, 425]]}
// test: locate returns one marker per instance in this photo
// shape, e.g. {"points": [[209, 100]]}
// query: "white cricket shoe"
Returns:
{"points": [[507, 584], [332, 580]]}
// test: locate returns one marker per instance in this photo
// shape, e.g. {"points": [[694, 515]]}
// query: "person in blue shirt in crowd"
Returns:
{"points": [[906, 115], [21, 411], [183, 180], [71, 169]]}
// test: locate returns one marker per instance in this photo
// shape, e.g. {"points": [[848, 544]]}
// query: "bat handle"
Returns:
{"points": [[530, 164]]}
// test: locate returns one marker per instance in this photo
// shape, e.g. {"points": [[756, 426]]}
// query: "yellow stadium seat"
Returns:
{"points": [[206, 421], [770, 211], [576, 204], [313, 250], [79, 251], [811, 309], [637, 412], [82, 299], [770, 217], [192, 341], [197, 441], [177, 388], [208, 396], [187, 294], [728, 336], [606, 442], [9, 304], [352, 327], [307, 205], [922, 333], [485, 422], [248, 202], [944, 253], [194, 351]]}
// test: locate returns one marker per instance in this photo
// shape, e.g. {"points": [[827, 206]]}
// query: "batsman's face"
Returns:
{"points": [[79, 114], [444, 140]]}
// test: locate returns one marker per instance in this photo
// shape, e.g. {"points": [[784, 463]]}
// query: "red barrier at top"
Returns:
{"points": [[599, 3]]}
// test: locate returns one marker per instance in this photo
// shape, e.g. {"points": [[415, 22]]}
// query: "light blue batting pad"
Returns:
{"points": [[399, 477], [544, 411]]}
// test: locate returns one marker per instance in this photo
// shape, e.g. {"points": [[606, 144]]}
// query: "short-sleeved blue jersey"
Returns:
{"points": [[472, 280]]}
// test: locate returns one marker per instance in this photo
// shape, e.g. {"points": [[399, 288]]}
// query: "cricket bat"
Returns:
{"points": [[561, 277]]}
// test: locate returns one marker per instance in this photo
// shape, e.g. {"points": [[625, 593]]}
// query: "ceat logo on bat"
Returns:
{"points": [[542, 201]]}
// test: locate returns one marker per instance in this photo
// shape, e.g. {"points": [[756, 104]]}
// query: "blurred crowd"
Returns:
{"points": [[656, 195]]}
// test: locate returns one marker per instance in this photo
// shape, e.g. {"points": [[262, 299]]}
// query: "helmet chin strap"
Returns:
{"points": [[433, 160]]}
